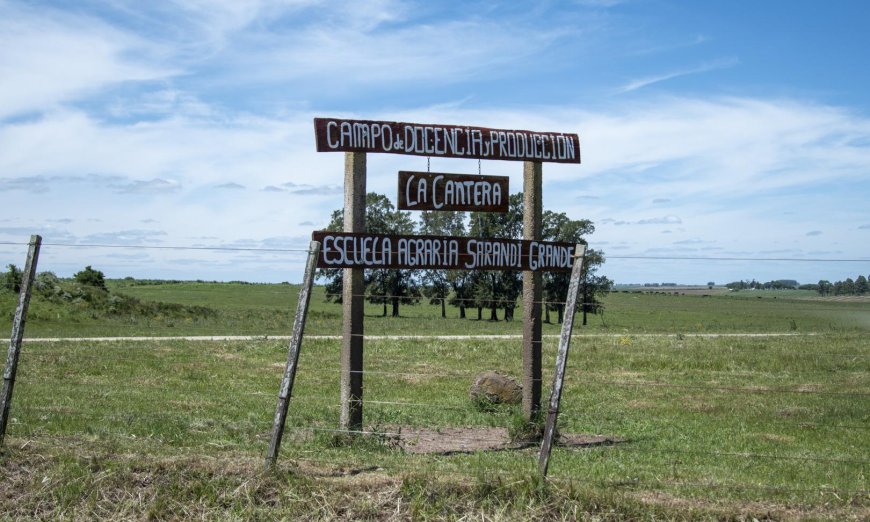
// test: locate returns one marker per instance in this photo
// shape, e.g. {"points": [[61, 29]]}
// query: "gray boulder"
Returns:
{"points": [[490, 388]]}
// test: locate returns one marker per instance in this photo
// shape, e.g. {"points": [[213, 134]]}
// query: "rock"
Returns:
{"points": [[491, 388]]}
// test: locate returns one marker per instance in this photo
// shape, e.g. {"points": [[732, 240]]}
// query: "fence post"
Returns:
{"points": [[532, 292], [18, 332], [561, 359], [353, 300], [293, 354]]}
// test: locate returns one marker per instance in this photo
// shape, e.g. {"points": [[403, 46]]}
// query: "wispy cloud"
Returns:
{"points": [[634, 85], [126, 237], [152, 186], [48, 56], [655, 49], [664, 220], [306, 190], [691, 242]]}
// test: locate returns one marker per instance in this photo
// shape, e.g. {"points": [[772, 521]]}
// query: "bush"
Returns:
{"points": [[12, 279], [91, 277]]}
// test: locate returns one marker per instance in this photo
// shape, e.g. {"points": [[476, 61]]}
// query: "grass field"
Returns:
{"points": [[734, 427], [243, 309]]}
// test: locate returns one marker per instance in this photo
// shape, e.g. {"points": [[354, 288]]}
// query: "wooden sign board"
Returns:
{"points": [[439, 191], [446, 141], [363, 250]]}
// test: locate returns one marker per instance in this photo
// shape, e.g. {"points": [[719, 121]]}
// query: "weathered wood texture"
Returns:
{"points": [[447, 141], [462, 192], [17, 337], [344, 250], [353, 289], [532, 292], [295, 346], [561, 361]]}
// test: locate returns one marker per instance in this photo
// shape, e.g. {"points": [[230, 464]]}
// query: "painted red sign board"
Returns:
{"points": [[364, 250], [440, 191], [448, 141]]}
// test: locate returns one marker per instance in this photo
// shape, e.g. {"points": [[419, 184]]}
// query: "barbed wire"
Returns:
{"points": [[744, 455], [307, 250], [437, 465], [393, 432]]}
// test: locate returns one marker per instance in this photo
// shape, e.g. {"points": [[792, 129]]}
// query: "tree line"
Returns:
{"points": [[491, 291], [857, 286]]}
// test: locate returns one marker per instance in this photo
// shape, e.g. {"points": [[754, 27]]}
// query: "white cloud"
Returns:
{"points": [[650, 80], [48, 57], [152, 186], [126, 237]]}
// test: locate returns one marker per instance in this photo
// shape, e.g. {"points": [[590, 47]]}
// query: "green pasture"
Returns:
{"points": [[709, 426], [771, 419], [267, 309]]}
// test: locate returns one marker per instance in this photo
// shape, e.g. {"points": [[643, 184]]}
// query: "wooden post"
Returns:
{"points": [[532, 293], [352, 297], [286, 390], [14, 352], [561, 359]]}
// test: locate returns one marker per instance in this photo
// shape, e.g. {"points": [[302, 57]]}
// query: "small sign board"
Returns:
{"points": [[440, 191], [446, 141], [364, 250]]}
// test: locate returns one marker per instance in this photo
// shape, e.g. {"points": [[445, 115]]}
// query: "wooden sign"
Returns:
{"points": [[439, 191], [363, 250], [447, 141]]}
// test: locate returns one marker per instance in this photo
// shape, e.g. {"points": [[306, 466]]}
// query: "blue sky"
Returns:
{"points": [[716, 129]]}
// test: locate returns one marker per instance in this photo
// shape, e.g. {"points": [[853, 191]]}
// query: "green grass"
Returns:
{"points": [[730, 427], [244, 309]]}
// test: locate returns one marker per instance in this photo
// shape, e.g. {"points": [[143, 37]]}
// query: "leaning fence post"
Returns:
{"points": [[561, 359], [18, 332], [293, 354]]}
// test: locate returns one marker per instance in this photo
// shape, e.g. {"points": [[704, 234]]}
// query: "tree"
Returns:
{"points": [[439, 283], [861, 286], [825, 287], [12, 279], [498, 288], [559, 227], [849, 286], [91, 277], [383, 286]]}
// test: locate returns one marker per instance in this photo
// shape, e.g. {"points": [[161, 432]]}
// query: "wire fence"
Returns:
{"points": [[696, 403]]}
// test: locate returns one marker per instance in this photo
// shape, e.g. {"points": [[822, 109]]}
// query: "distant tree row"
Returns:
{"points": [[779, 284], [858, 286], [463, 289]]}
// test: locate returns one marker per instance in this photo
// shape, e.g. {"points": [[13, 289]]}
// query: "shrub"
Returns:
{"points": [[12, 279], [91, 277]]}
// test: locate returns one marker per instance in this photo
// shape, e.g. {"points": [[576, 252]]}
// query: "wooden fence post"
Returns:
{"points": [[532, 292], [286, 390], [14, 352], [561, 359], [352, 297]]}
